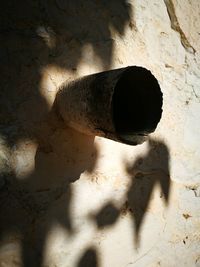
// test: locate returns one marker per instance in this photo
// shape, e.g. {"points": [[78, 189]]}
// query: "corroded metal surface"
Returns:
{"points": [[86, 105]]}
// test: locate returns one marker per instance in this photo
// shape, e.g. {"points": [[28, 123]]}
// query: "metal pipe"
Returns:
{"points": [[124, 104]]}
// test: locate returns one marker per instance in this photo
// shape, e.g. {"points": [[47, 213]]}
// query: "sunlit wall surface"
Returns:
{"points": [[72, 200]]}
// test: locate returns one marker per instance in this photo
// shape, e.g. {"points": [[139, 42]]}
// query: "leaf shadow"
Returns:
{"points": [[33, 36], [145, 172], [89, 258]]}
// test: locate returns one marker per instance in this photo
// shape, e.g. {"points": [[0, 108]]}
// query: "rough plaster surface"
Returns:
{"points": [[70, 200]]}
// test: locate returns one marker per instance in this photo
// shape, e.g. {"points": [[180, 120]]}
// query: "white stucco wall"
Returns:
{"points": [[70, 200]]}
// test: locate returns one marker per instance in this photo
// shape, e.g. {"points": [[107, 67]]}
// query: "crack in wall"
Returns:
{"points": [[195, 94], [176, 26]]}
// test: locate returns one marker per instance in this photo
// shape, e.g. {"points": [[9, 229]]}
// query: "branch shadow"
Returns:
{"points": [[35, 35]]}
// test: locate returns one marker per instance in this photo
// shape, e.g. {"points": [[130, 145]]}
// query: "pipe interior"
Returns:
{"points": [[136, 103]]}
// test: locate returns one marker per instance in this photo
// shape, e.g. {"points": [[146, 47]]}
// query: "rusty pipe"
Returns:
{"points": [[124, 104]]}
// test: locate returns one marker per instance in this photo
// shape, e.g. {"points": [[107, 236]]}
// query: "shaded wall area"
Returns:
{"points": [[41, 157]]}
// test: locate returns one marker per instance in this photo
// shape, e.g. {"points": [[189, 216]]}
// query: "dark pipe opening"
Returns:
{"points": [[136, 104]]}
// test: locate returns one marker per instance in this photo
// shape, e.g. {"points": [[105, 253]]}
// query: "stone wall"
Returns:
{"points": [[71, 200]]}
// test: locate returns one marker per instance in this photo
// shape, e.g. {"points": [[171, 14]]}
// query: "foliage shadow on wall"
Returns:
{"points": [[89, 258], [33, 36], [145, 172]]}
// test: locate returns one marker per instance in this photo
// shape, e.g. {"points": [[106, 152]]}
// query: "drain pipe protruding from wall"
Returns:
{"points": [[124, 104]]}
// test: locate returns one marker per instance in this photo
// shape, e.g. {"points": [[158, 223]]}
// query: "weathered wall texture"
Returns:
{"points": [[70, 200]]}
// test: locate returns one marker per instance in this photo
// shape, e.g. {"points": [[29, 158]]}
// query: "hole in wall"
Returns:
{"points": [[136, 103]]}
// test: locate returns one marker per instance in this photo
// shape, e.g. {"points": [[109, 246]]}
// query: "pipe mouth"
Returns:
{"points": [[136, 105]]}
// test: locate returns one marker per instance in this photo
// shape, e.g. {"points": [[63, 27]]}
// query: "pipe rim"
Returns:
{"points": [[126, 131]]}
